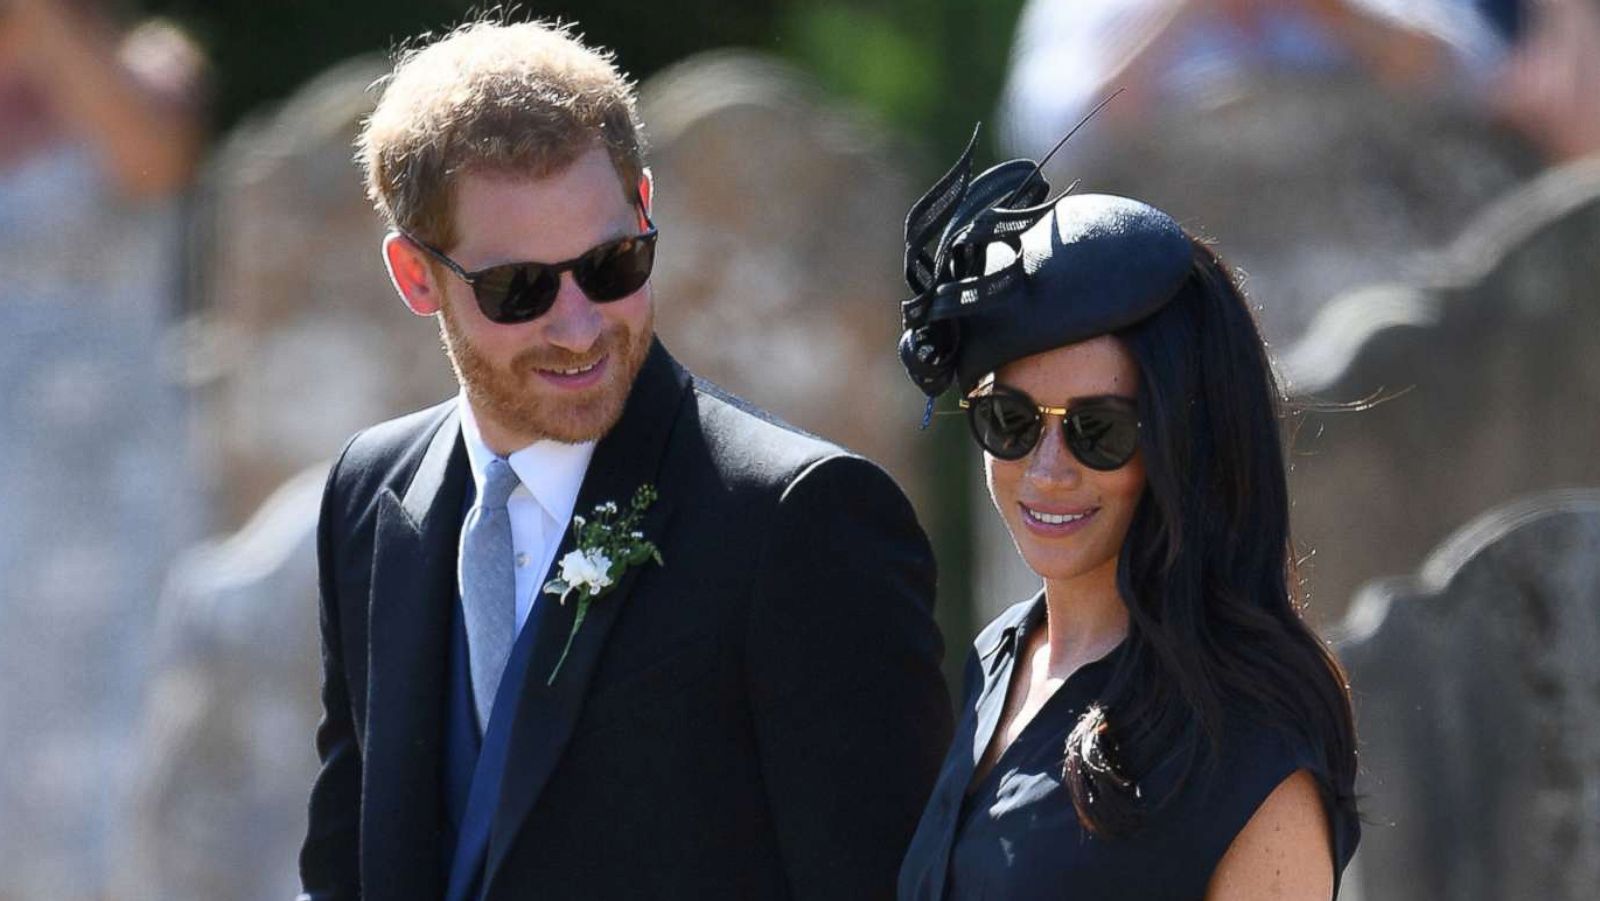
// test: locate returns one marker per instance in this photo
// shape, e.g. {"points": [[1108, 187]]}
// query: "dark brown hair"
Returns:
{"points": [[1206, 570]]}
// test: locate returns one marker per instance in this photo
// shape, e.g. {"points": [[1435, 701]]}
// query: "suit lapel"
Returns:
{"points": [[627, 457], [409, 621]]}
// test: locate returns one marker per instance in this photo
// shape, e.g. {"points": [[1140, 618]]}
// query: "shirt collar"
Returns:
{"points": [[552, 472], [1002, 642], [1002, 649]]}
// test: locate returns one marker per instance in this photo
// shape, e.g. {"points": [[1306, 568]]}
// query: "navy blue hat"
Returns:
{"points": [[1013, 275]]}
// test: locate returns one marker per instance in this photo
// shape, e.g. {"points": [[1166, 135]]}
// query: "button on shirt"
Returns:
{"points": [[540, 508]]}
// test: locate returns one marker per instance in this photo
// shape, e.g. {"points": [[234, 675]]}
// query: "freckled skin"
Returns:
{"points": [[1284, 853]]}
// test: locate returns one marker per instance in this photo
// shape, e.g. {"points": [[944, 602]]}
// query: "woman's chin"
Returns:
{"points": [[1052, 565]]}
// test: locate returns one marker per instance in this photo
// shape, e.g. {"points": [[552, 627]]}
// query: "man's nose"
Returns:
{"points": [[1051, 464], [573, 322]]}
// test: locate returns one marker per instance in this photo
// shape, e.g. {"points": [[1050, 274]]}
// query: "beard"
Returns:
{"points": [[513, 398]]}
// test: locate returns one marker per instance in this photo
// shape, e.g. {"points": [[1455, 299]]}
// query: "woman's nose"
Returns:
{"points": [[1051, 463]]}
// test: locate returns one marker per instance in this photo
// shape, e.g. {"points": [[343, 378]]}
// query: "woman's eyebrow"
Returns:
{"points": [[1096, 397]]}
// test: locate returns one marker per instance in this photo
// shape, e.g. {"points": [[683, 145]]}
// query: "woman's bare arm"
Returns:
{"points": [[1285, 852]]}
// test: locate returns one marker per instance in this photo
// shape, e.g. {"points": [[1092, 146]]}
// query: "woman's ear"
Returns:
{"points": [[412, 275]]}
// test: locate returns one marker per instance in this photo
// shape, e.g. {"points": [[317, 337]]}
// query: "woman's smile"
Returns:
{"points": [[1050, 521]]}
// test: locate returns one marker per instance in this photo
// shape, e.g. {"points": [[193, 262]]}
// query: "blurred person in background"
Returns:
{"points": [[1549, 88], [752, 707], [100, 132], [1238, 116], [1070, 54], [70, 80]]}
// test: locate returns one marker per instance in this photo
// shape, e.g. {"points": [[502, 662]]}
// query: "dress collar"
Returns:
{"points": [[998, 643]]}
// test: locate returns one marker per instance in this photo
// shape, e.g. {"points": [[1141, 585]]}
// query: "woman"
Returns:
{"points": [[1158, 722]]}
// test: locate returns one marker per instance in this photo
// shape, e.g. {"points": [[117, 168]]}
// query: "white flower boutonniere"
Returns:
{"points": [[609, 542]]}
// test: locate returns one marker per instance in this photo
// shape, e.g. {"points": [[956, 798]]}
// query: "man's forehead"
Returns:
{"points": [[512, 216], [591, 174]]}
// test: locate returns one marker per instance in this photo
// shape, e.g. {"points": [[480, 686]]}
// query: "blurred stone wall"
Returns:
{"points": [[781, 220], [1487, 371], [1312, 185], [1477, 689], [300, 339], [224, 753]]}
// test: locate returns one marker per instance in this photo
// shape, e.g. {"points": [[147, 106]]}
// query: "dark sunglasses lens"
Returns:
{"points": [[618, 269], [516, 293], [1005, 425], [1102, 437]]}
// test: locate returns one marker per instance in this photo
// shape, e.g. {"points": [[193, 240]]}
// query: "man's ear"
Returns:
{"points": [[647, 189], [411, 275]]}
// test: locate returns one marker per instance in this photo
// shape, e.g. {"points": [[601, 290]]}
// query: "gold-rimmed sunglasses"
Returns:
{"points": [[1102, 433]]}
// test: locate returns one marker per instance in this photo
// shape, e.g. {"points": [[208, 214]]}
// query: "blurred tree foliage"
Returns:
{"points": [[929, 67], [262, 51]]}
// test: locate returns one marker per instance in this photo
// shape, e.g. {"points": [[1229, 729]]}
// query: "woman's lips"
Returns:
{"points": [[579, 378], [1055, 523]]}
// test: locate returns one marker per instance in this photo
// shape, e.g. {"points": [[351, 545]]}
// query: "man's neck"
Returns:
{"points": [[503, 442]]}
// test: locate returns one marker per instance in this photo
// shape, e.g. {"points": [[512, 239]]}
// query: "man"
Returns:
{"points": [[756, 714]]}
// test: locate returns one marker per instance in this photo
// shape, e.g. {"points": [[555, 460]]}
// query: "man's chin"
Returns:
{"points": [[576, 426], [570, 417], [528, 407]]}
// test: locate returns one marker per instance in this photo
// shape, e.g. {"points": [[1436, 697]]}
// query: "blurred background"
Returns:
{"points": [[1411, 189]]}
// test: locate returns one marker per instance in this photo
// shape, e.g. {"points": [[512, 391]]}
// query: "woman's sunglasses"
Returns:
{"points": [[1102, 433], [521, 292]]}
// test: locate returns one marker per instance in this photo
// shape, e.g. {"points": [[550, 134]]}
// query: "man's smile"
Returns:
{"points": [[576, 377]]}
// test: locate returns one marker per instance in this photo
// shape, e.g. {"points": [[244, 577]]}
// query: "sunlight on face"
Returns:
{"points": [[566, 374], [1050, 483]]}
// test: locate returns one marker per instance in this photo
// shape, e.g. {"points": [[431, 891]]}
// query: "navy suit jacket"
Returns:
{"points": [[761, 717]]}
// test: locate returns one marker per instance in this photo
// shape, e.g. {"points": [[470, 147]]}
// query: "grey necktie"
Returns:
{"points": [[489, 586]]}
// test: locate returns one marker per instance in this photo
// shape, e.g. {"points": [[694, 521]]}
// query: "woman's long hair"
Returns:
{"points": [[1206, 570]]}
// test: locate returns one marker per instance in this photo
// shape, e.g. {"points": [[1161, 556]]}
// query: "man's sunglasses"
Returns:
{"points": [[1102, 433], [521, 292]]}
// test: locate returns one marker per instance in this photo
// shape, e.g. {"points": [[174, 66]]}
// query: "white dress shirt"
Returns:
{"points": [[540, 508]]}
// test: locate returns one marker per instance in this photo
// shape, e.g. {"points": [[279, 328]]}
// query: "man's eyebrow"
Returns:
{"points": [[622, 231]]}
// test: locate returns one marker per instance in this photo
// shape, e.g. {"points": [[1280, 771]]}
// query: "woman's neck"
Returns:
{"points": [[1086, 617]]}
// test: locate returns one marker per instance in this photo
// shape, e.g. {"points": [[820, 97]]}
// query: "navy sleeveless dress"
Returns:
{"points": [[1017, 837]]}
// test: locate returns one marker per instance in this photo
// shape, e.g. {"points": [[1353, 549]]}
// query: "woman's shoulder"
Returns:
{"points": [[1289, 826], [1266, 757], [1257, 754]]}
